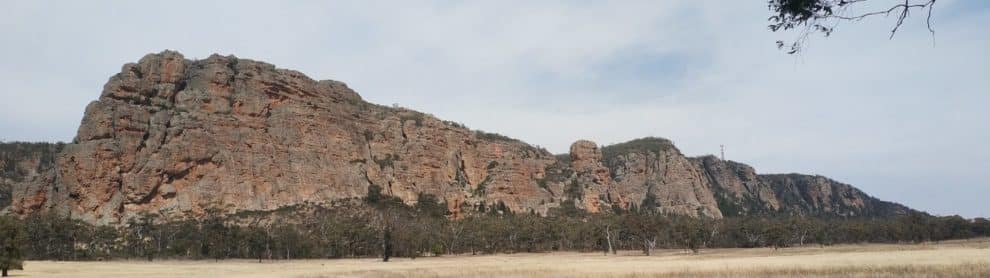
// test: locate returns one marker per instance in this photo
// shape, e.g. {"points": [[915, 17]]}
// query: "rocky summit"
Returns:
{"points": [[176, 136]]}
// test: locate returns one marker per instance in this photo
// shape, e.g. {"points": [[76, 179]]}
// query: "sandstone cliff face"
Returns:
{"points": [[591, 177], [821, 195], [25, 170], [652, 168], [740, 191], [175, 136], [737, 187]]}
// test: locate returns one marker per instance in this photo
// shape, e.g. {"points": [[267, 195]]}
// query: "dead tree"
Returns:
{"points": [[608, 239]]}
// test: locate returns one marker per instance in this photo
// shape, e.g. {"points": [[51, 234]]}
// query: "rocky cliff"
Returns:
{"points": [[177, 136], [26, 166]]}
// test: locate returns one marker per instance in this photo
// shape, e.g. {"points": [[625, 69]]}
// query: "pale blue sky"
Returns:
{"points": [[904, 119]]}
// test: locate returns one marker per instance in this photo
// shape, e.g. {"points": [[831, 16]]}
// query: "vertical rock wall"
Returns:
{"points": [[177, 136]]}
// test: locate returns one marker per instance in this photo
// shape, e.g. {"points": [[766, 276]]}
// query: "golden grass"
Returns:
{"points": [[948, 259]]}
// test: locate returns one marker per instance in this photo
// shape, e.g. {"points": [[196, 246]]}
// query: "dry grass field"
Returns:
{"points": [[965, 258]]}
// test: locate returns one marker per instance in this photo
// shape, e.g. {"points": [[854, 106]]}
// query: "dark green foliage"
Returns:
{"points": [[257, 243], [822, 16], [428, 205], [689, 232], [731, 208], [501, 208], [542, 183], [386, 244], [493, 136], [789, 14], [455, 124], [416, 117], [574, 191], [377, 199], [142, 236], [216, 241], [482, 187], [13, 152], [387, 162], [11, 245], [808, 15], [727, 206], [777, 235], [650, 203], [381, 225], [374, 194], [567, 209], [557, 172], [646, 145], [53, 236]]}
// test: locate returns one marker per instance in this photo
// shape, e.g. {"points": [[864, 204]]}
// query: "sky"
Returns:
{"points": [[904, 119]]}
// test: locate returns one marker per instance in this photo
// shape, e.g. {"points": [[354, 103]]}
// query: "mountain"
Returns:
{"points": [[177, 136]]}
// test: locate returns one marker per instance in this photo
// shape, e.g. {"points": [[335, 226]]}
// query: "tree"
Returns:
{"points": [[387, 235], [609, 234], [288, 240], [644, 227], [141, 235], [777, 235], [102, 242], [802, 228], [752, 231], [214, 234], [822, 16], [429, 205], [52, 236], [981, 226], [451, 235], [11, 245], [689, 232], [258, 242], [389, 228]]}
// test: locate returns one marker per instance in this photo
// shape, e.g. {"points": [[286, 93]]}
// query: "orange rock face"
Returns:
{"points": [[175, 136]]}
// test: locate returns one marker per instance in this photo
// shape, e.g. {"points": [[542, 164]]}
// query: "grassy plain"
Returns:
{"points": [[963, 258]]}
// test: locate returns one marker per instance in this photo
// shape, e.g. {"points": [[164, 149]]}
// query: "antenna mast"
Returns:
{"points": [[722, 147]]}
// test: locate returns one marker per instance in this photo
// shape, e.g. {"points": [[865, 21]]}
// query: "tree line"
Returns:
{"points": [[382, 226]]}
